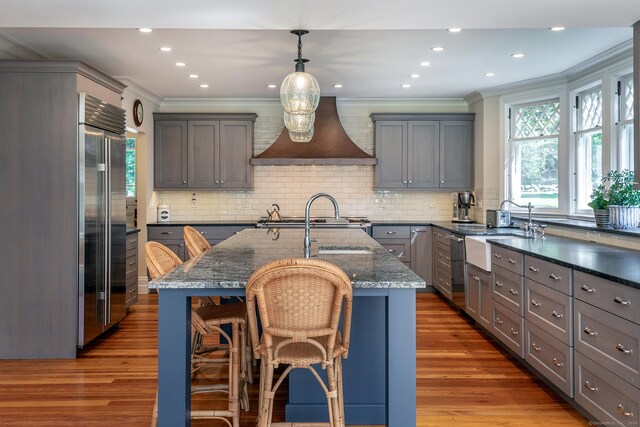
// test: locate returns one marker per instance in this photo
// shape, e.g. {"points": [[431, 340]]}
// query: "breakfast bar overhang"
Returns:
{"points": [[380, 373]]}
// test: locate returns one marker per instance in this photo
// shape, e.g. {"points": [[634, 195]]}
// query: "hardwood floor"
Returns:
{"points": [[463, 380]]}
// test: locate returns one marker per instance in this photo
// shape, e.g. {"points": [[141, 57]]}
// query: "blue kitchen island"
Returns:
{"points": [[380, 373]]}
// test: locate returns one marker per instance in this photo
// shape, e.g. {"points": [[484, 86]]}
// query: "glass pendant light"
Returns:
{"points": [[301, 136], [299, 95]]}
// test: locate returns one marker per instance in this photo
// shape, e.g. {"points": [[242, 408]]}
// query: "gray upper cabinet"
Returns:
{"points": [[170, 154], [424, 151], [203, 150]]}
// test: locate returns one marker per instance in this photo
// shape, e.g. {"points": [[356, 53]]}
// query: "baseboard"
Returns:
{"points": [[142, 285]]}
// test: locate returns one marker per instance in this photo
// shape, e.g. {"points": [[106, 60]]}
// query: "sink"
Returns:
{"points": [[347, 250], [478, 251]]}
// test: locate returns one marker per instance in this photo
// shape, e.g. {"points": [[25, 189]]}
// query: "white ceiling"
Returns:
{"points": [[371, 48]]}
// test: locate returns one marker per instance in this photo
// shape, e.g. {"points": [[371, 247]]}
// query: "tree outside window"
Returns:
{"points": [[130, 164]]}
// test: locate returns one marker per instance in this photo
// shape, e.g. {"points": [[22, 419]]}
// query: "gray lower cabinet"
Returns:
{"points": [[424, 151], [550, 357], [172, 236], [203, 151], [132, 270], [508, 327], [411, 244], [478, 294], [396, 239]]}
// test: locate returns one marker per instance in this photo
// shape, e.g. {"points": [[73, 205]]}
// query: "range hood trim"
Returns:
{"points": [[330, 144]]}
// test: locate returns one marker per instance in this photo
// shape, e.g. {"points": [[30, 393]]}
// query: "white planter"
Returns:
{"points": [[624, 216]]}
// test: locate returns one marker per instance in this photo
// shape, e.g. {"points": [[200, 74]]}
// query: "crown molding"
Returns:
{"points": [[11, 48], [601, 61], [529, 84], [473, 97], [139, 91]]}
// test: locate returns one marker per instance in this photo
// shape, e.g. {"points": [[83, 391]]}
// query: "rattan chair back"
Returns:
{"points": [[298, 299], [195, 242], [160, 259]]}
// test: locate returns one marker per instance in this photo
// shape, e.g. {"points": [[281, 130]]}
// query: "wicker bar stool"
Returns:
{"points": [[299, 302], [197, 244], [206, 319]]}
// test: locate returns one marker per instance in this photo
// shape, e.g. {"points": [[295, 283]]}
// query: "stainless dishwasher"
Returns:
{"points": [[456, 253]]}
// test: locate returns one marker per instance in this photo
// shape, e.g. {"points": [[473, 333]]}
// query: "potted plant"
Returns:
{"points": [[623, 200], [600, 205]]}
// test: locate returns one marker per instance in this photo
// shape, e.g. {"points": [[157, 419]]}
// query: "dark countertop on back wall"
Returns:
{"points": [[203, 222], [132, 230]]}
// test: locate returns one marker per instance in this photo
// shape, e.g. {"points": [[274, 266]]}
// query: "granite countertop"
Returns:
{"points": [[132, 230], [230, 263], [609, 262], [203, 222]]}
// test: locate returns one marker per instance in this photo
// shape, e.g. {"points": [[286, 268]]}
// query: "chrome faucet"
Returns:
{"points": [[307, 238], [528, 227]]}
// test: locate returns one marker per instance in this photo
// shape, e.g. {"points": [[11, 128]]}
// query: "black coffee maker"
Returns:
{"points": [[462, 206]]}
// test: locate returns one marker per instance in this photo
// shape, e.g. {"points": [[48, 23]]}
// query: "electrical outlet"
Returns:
{"points": [[432, 204], [194, 201]]}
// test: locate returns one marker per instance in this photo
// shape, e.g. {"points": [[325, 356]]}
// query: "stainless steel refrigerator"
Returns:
{"points": [[102, 217]]}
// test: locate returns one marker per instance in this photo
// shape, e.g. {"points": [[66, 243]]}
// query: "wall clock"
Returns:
{"points": [[138, 112]]}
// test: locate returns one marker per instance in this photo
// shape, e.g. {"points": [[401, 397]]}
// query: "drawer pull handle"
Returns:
{"points": [[535, 347], [499, 321], [557, 315], [620, 409], [588, 386], [590, 332], [497, 256], [619, 301], [512, 261], [621, 348], [476, 278], [180, 244], [558, 364], [534, 269], [132, 290], [554, 277], [203, 232], [132, 241], [132, 262], [391, 232], [513, 292], [535, 303], [166, 233], [513, 331], [587, 289], [448, 258], [498, 284]]}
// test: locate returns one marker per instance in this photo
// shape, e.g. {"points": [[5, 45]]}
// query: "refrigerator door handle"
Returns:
{"points": [[107, 240]]}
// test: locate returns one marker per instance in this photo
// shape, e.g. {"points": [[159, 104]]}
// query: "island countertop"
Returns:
{"points": [[230, 263]]}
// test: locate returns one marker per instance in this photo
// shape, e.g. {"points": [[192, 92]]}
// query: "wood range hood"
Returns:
{"points": [[330, 144]]}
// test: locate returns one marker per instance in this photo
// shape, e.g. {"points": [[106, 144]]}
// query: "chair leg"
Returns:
{"points": [[247, 353], [234, 355], [333, 400], [154, 416], [264, 417], [338, 365]]}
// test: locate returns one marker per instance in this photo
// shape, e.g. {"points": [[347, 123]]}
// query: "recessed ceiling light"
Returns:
{"points": [[272, 86], [145, 30], [204, 86], [337, 86], [414, 76], [425, 63], [455, 30], [165, 49], [489, 74], [180, 64], [437, 49], [517, 55], [406, 85], [556, 28], [193, 76]]}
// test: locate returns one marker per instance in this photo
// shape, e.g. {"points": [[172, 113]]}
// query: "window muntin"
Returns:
{"points": [[625, 122], [588, 144], [533, 175]]}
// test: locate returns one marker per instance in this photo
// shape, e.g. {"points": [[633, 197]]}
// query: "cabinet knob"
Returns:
{"points": [[410, 182], [132, 262], [217, 182], [132, 241], [441, 182], [184, 182], [404, 182], [222, 182], [391, 232]]}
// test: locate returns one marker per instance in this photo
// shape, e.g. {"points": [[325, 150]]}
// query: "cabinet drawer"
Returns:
{"points": [[615, 298], [131, 266], [398, 247], [173, 232], [217, 233], [132, 241], [550, 274], [391, 232], [507, 289], [442, 252], [132, 293], [608, 340], [549, 310], [507, 259], [443, 282], [441, 236], [611, 400], [507, 327], [552, 358]]}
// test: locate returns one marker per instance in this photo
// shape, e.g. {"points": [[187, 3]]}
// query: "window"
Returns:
{"points": [[588, 144], [533, 140], [624, 124], [130, 164]]}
